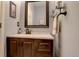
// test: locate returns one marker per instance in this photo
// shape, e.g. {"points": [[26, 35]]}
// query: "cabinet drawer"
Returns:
{"points": [[45, 44], [44, 48]]}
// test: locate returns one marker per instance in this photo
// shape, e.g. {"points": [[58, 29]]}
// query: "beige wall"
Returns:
{"points": [[0, 29], [70, 30], [9, 25]]}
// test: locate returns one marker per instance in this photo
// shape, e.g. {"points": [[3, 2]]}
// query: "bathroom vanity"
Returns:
{"points": [[28, 45]]}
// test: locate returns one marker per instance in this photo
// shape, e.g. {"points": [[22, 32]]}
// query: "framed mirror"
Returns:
{"points": [[36, 14]]}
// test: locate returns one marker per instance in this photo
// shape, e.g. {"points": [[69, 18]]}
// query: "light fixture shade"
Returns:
{"points": [[59, 4]]}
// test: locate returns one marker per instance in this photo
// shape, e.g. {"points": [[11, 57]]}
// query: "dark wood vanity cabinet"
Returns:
{"points": [[12, 47], [29, 47]]}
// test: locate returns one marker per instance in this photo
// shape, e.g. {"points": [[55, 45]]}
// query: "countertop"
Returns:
{"points": [[35, 36]]}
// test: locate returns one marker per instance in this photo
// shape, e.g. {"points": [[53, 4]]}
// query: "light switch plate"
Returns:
{"points": [[0, 25]]}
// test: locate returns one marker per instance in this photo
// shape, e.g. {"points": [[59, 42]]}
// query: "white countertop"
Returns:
{"points": [[39, 36]]}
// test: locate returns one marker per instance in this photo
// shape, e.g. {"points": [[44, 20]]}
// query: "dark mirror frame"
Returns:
{"points": [[36, 26]]}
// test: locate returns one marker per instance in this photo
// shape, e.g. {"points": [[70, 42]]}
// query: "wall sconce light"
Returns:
{"points": [[61, 6]]}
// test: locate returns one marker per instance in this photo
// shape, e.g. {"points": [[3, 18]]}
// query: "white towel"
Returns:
{"points": [[56, 33], [55, 25]]}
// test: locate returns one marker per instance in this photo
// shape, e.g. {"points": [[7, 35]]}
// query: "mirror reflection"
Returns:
{"points": [[36, 13]]}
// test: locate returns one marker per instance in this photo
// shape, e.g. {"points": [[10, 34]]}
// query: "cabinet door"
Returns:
{"points": [[20, 47], [11, 47], [45, 48], [27, 47]]}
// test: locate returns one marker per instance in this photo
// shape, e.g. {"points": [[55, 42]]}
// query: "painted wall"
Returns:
{"points": [[1, 52], [70, 30], [9, 25], [37, 30], [0, 17]]}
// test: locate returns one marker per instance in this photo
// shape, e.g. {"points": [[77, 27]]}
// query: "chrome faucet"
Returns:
{"points": [[28, 31]]}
